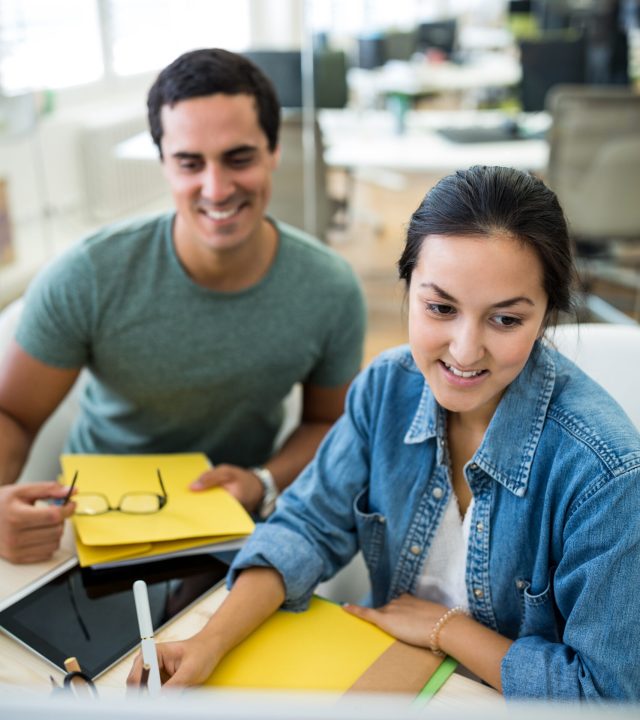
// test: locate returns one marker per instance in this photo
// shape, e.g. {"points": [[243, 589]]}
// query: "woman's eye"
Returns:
{"points": [[439, 309], [507, 321]]}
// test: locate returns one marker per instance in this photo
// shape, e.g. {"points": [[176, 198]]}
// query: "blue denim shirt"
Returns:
{"points": [[554, 552]]}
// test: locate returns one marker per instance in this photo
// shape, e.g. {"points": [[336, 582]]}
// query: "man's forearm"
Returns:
{"points": [[14, 449], [297, 452]]}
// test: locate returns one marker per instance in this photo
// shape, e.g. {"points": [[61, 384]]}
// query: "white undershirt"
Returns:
{"points": [[443, 575]]}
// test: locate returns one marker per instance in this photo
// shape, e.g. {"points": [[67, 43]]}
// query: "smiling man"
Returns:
{"points": [[195, 324]]}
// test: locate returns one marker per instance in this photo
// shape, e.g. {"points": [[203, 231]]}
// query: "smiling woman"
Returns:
{"points": [[492, 487]]}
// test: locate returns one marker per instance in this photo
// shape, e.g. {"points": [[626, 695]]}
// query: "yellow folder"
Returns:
{"points": [[323, 648], [190, 517]]}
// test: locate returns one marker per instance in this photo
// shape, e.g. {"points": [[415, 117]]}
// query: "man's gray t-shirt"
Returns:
{"points": [[176, 367]]}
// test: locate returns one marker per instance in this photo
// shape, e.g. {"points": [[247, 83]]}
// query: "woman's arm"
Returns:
{"points": [[415, 621], [255, 596]]}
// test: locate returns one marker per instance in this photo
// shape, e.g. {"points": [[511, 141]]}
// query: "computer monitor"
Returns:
{"points": [[547, 62], [438, 35], [284, 69]]}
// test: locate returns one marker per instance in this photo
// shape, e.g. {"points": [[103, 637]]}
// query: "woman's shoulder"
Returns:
{"points": [[583, 411]]}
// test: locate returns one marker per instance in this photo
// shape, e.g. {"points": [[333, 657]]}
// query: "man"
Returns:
{"points": [[194, 325]]}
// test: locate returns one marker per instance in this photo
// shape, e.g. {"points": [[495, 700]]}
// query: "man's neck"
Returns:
{"points": [[228, 270]]}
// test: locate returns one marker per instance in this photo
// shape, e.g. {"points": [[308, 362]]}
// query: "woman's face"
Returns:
{"points": [[476, 306]]}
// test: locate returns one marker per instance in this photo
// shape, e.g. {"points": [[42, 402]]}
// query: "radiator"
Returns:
{"points": [[117, 186]]}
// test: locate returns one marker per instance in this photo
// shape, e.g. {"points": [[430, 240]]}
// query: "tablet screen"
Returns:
{"points": [[90, 614]]}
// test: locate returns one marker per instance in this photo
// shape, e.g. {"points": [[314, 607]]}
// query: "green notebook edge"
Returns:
{"points": [[436, 681]]}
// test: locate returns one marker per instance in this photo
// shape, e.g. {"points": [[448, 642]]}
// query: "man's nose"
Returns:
{"points": [[217, 185]]}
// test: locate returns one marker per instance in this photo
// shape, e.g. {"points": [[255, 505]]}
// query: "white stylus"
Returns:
{"points": [[147, 643]]}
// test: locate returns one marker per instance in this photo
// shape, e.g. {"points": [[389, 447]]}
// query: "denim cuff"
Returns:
{"points": [[287, 552]]}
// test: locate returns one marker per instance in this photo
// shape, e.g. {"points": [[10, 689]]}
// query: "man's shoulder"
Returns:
{"points": [[128, 231], [299, 244]]}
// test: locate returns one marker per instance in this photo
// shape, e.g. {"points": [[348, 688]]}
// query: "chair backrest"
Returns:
{"points": [[593, 159], [610, 354], [43, 459]]}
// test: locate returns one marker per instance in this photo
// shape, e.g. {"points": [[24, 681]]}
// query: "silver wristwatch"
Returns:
{"points": [[268, 504]]}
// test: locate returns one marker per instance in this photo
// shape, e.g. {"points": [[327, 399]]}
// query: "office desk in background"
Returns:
{"points": [[21, 667], [369, 139], [416, 78]]}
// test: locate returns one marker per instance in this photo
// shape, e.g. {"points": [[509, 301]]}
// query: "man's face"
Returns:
{"points": [[217, 160]]}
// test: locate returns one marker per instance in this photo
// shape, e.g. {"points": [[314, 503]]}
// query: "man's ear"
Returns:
{"points": [[275, 158]]}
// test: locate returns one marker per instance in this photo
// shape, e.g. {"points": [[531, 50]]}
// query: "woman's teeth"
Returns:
{"points": [[461, 373]]}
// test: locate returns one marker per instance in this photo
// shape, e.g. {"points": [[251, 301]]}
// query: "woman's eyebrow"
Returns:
{"points": [[502, 304]]}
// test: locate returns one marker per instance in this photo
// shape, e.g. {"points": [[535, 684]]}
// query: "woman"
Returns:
{"points": [[492, 487]]}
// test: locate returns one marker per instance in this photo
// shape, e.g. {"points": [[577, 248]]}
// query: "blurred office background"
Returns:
{"points": [[380, 100]]}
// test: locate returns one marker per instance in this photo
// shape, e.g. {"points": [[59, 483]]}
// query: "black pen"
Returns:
{"points": [[67, 497]]}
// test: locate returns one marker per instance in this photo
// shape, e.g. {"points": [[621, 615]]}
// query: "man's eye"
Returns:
{"points": [[189, 165], [241, 160], [439, 309]]}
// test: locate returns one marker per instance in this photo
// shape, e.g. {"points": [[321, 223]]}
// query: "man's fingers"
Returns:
{"points": [[38, 516], [30, 492], [211, 478], [33, 537]]}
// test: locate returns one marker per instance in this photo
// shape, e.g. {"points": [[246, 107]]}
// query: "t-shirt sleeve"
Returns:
{"points": [[55, 325], [343, 350]]}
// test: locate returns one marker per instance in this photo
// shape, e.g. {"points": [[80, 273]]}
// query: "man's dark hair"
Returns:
{"points": [[209, 71], [484, 200]]}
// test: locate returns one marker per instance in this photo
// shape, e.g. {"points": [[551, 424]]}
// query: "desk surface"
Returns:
{"points": [[485, 70], [22, 667], [366, 139]]}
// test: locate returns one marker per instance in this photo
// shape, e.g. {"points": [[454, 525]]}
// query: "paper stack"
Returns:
{"points": [[189, 522]]}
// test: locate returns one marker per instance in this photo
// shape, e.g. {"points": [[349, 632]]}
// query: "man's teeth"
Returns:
{"points": [[461, 373], [220, 214]]}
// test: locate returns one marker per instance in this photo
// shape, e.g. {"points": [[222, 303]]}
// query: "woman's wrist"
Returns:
{"points": [[438, 626]]}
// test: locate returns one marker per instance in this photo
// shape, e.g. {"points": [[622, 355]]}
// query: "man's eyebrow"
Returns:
{"points": [[183, 155], [502, 304]]}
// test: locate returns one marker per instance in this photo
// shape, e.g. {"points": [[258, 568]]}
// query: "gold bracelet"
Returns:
{"points": [[434, 636]]}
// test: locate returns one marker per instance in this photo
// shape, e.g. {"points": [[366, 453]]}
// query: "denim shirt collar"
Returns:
{"points": [[510, 442]]}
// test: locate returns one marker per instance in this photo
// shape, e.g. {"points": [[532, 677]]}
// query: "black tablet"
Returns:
{"points": [[90, 614]]}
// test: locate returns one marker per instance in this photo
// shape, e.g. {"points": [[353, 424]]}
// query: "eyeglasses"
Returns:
{"points": [[133, 503]]}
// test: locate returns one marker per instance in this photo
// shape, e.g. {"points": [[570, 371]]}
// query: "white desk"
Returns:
{"points": [[22, 668], [367, 139], [415, 78]]}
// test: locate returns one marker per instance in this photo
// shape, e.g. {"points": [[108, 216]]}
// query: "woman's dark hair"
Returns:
{"points": [[206, 72], [486, 200]]}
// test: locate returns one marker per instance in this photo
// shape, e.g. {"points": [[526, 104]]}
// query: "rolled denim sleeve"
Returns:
{"points": [[595, 590], [312, 534]]}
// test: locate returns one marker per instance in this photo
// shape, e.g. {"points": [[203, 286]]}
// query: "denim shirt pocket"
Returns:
{"points": [[538, 612], [371, 530]]}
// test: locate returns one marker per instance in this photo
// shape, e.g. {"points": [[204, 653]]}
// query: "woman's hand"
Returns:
{"points": [[182, 664], [407, 618]]}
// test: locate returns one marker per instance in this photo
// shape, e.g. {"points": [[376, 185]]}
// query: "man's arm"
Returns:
{"points": [[321, 407], [29, 392]]}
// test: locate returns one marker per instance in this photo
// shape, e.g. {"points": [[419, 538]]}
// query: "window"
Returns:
{"points": [[47, 44], [148, 34]]}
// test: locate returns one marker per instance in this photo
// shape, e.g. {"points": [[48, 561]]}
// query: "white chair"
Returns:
{"points": [[610, 354]]}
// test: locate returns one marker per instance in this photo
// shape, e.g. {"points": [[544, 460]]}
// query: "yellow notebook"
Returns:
{"points": [[323, 648], [188, 519]]}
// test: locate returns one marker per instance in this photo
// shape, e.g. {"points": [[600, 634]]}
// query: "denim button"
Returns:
{"points": [[415, 549], [478, 592], [382, 520], [480, 527], [520, 584], [437, 492], [473, 466]]}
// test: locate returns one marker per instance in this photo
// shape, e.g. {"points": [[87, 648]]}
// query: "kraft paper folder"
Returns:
{"points": [[189, 520], [326, 649]]}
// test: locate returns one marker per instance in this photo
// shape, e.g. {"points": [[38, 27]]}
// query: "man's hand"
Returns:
{"points": [[240, 482], [30, 532]]}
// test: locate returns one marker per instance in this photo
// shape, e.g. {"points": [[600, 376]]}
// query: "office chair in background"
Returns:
{"points": [[594, 163]]}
